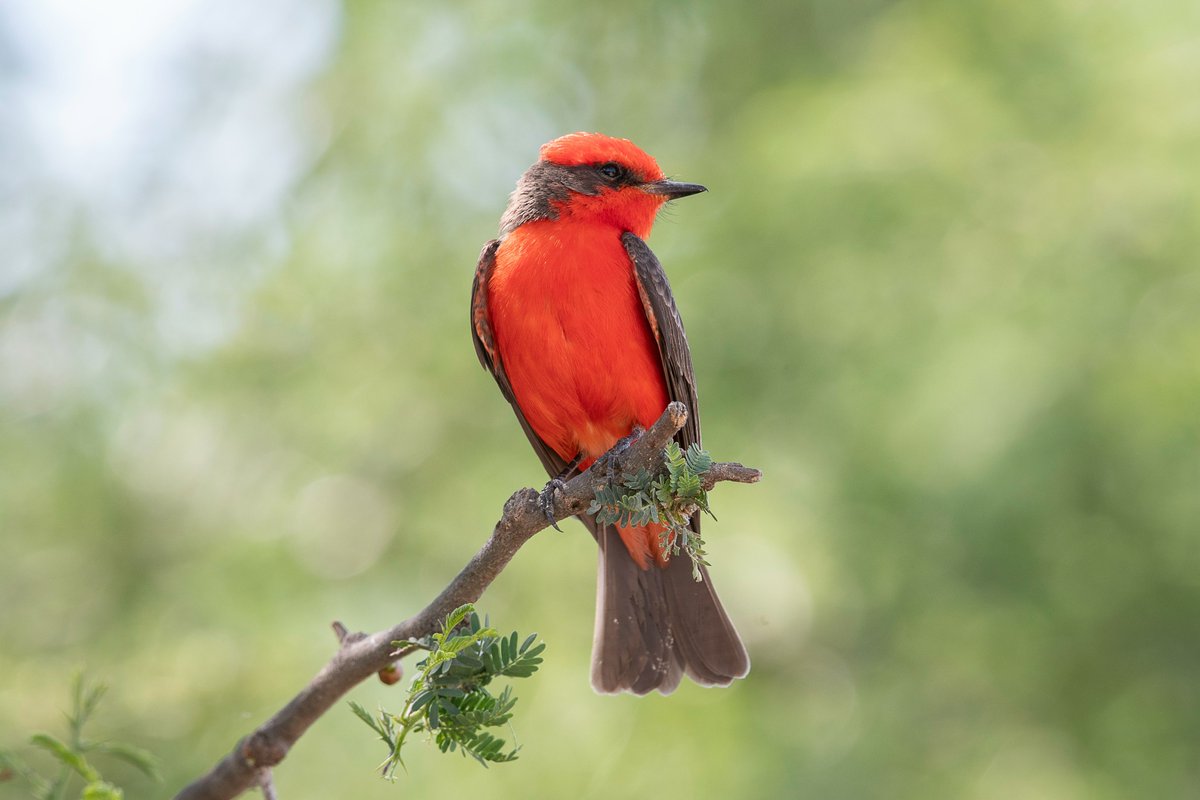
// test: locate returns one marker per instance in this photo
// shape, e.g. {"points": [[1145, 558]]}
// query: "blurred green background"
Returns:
{"points": [[943, 292]]}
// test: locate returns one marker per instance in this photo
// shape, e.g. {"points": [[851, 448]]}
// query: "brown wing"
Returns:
{"points": [[489, 356], [663, 316]]}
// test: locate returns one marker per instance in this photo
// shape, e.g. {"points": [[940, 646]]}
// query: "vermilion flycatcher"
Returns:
{"points": [[573, 316]]}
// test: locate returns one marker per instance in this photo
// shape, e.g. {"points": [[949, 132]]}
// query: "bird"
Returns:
{"points": [[573, 316]]}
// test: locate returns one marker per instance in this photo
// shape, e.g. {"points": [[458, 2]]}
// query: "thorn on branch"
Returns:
{"points": [[344, 636], [266, 782]]}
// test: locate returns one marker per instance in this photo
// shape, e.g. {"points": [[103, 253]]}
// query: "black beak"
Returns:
{"points": [[673, 190]]}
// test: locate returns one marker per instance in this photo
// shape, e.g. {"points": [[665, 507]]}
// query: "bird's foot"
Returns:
{"points": [[612, 458], [546, 500]]}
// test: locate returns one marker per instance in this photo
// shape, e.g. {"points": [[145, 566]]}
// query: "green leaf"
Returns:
{"points": [[422, 699], [668, 499], [142, 760], [383, 727], [433, 714], [66, 755], [10, 760], [456, 617], [448, 695], [70, 753], [86, 699], [698, 460], [102, 790]]}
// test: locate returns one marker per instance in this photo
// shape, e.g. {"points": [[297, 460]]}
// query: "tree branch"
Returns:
{"points": [[361, 655]]}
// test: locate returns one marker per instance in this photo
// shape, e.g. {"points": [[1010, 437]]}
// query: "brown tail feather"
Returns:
{"points": [[654, 625]]}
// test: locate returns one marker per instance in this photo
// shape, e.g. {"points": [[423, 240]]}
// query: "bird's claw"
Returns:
{"points": [[615, 452], [546, 500]]}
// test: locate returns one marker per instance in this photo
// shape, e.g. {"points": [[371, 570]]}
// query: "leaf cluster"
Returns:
{"points": [[449, 697], [667, 498], [72, 754]]}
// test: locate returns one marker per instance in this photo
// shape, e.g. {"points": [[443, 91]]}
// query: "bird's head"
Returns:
{"points": [[595, 178]]}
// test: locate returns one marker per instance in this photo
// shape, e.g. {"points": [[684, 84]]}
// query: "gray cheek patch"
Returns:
{"points": [[541, 186]]}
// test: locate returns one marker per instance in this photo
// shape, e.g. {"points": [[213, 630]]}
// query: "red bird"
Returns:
{"points": [[573, 316]]}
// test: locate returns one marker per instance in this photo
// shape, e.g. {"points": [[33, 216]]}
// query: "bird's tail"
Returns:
{"points": [[654, 625]]}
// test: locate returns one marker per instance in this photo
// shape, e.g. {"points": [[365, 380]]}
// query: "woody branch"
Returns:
{"points": [[361, 655]]}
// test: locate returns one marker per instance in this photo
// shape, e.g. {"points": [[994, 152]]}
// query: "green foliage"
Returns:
{"points": [[449, 697], [71, 754], [668, 498]]}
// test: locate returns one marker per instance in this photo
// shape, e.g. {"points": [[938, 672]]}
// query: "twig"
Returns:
{"points": [[361, 655], [266, 782], [729, 471]]}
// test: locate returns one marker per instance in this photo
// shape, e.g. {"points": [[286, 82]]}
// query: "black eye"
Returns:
{"points": [[611, 171]]}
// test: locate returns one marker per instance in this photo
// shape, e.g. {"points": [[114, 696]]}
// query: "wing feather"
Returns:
{"points": [[489, 355], [667, 327]]}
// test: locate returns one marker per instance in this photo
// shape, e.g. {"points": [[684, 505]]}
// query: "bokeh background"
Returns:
{"points": [[943, 292]]}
